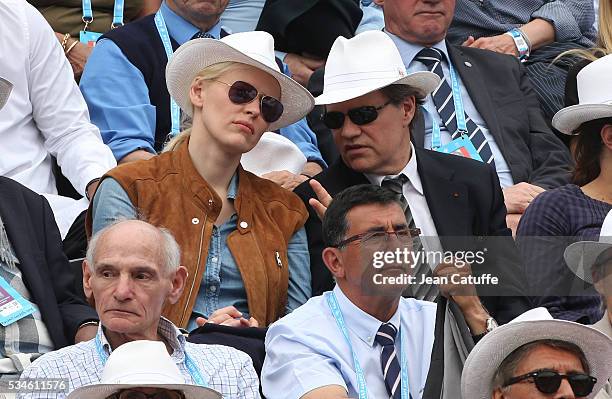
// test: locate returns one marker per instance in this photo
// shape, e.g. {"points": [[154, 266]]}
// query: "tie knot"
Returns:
{"points": [[429, 56], [395, 184], [202, 35], [386, 334]]}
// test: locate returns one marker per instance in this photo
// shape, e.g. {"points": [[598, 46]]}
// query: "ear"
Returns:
{"points": [[87, 275], [409, 108], [332, 258], [497, 394], [196, 93], [178, 284], [606, 136]]}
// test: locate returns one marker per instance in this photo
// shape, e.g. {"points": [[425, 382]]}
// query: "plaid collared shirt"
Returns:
{"points": [[226, 370]]}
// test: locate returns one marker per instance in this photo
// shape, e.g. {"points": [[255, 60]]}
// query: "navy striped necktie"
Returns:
{"points": [[443, 99], [389, 364], [202, 35]]}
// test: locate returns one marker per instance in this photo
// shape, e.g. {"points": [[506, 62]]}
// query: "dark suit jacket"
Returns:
{"points": [[32, 231], [467, 207], [501, 91]]}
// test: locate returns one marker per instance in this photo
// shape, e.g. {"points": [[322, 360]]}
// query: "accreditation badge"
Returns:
{"points": [[461, 146], [89, 38], [13, 306]]}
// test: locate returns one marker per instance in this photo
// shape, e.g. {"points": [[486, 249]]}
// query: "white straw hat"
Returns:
{"points": [[252, 48], [595, 97], [143, 364], [5, 91], [534, 325], [580, 256], [368, 62]]}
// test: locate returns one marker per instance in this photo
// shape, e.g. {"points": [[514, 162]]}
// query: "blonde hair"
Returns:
{"points": [[604, 38], [210, 72]]}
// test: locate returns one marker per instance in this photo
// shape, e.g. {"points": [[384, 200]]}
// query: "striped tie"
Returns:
{"points": [[443, 99], [389, 364], [202, 35], [428, 292]]}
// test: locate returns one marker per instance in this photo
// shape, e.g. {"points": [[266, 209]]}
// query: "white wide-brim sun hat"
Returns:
{"points": [[534, 325], [141, 364], [251, 48], [594, 84], [580, 256], [367, 62]]}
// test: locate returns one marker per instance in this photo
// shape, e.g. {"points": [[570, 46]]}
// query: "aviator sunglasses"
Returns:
{"points": [[243, 93], [549, 382], [134, 394], [359, 116]]}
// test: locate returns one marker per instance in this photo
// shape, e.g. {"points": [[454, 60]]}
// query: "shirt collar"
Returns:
{"points": [[168, 331], [232, 189], [410, 170], [409, 50], [359, 322], [182, 30]]}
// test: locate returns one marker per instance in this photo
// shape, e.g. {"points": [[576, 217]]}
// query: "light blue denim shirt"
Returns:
{"points": [[222, 282], [408, 51]]}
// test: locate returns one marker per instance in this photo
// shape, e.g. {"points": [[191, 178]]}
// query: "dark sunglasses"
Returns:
{"points": [[134, 394], [549, 382], [359, 116], [376, 238], [243, 93]]}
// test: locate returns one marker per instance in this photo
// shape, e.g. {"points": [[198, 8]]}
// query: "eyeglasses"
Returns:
{"points": [[376, 238], [135, 394], [243, 93], [549, 382], [359, 116]]}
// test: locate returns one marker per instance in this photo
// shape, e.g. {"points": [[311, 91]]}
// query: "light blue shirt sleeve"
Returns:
{"points": [[110, 204], [373, 18], [118, 100], [305, 139], [299, 290]]}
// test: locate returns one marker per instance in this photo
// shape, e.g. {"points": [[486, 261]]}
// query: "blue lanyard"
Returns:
{"points": [[193, 369], [436, 141], [332, 302], [175, 111], [117, 13]]}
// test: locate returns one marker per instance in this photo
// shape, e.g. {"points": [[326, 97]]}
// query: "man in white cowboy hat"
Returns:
{"points": [[142, 370], [130, 281], [535, 356], [493, 94], [125, 88], [371, 104], [591, 261]]}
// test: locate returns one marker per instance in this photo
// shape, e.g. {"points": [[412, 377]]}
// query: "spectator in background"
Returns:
{"points": [[130, 281], [250, 264], [535, 31], [537, 357], [577, 209], [67, 17], [45, 117]]}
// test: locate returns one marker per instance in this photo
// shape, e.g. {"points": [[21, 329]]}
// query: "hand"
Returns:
{"points": [[85, 333], [78, 56], [138, 155], [500, 44], [512, 221], [285, 179], [228, 316], [463, 294], [518, 197], [302, 67], [91, 189], [323, 199]]}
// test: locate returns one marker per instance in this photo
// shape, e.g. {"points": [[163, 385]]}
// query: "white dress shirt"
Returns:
{"points": [[413, 192], [45, 114], [306, 350]]}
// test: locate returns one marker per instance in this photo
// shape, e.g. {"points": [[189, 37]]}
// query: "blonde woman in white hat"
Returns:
{"points": [[241, 236], [591, 261], [574, 210]]}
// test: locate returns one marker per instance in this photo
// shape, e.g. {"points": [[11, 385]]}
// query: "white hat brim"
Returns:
{"points": [[423, 82], [486, 357], [195, 55], [568, 119], [102, 391], [580, 257]]}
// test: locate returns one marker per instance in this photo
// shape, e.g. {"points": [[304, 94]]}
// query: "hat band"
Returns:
{"points": [[348, 79]]}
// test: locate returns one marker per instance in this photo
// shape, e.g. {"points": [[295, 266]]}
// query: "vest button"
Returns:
{"points": [[195, 221], [244, 224]]}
